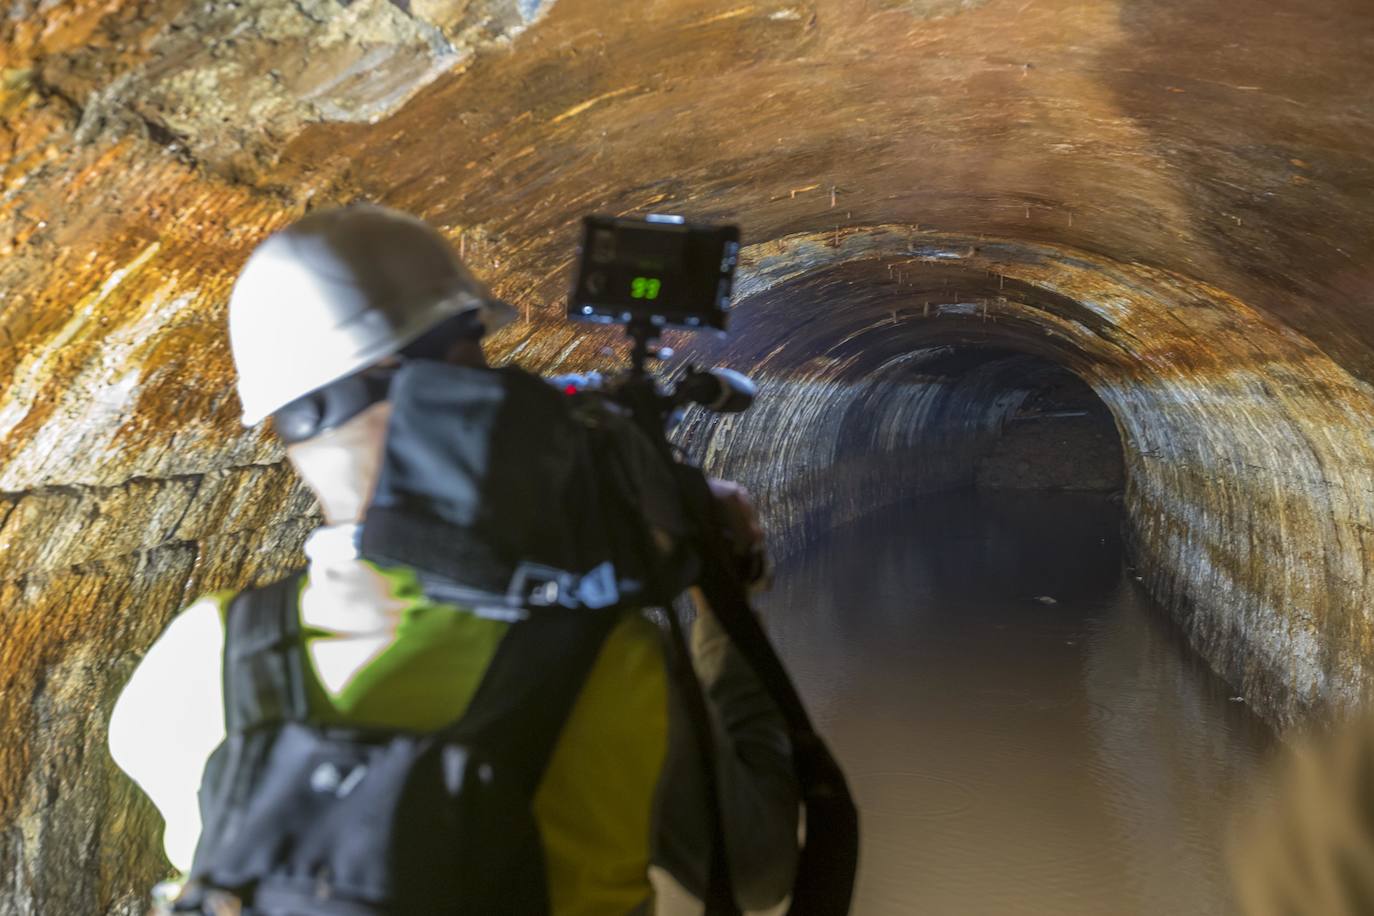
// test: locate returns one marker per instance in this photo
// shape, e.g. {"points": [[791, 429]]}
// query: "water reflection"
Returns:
{"points": [[1009, 754]]}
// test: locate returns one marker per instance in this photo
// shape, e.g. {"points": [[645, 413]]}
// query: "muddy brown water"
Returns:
{"points": [[1010, 755]]}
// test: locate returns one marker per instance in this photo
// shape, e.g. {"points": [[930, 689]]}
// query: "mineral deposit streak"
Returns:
{"points": [[1023, 729]]}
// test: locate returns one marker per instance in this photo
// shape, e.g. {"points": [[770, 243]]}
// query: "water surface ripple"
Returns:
{"points": [[1012, 755]]}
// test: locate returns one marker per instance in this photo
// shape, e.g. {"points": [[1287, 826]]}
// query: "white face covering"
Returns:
{"points": [[350, 602], [341, 465], [333, 545]]}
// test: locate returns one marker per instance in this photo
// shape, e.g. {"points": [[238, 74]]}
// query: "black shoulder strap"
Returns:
{"points": [[530, 687], [263, 680], [720, 894], [829, 858]]}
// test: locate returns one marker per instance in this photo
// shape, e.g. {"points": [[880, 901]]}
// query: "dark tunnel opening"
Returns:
{"points": [[900, 376], [1062, 437], [1052, 456], [1053, 432]]}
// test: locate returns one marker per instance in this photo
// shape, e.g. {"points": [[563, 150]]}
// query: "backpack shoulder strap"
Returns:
{"points": [[263, 680], [531, 685]]}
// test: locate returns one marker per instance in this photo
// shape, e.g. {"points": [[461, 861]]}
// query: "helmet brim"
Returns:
{"points": [[493, 313]]}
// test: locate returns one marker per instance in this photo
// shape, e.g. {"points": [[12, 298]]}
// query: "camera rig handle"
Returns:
{"points": [[719, 390]]}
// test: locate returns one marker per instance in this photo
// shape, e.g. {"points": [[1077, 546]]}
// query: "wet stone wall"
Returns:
{"points": [[1173, 201]]}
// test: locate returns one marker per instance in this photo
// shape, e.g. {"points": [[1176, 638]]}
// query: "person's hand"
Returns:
{"points": [[737, 515], [742, 529]]}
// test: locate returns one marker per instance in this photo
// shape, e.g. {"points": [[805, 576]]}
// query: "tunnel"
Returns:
{"points": [[959, 216]]}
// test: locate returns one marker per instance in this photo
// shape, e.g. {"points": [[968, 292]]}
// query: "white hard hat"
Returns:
{"points": [[338, 291]]}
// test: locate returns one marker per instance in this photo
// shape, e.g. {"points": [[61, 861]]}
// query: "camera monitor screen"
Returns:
{"points": [[658, 270]]}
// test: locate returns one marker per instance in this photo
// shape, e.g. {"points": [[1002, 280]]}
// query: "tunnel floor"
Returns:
{"points": [[1011, 755]]}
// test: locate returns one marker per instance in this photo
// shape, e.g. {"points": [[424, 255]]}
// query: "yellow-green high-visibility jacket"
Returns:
{"points": [[623, 790]]}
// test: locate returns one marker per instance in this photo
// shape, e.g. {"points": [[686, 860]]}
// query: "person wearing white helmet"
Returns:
{"points": [[339, 291], [320, 314]]}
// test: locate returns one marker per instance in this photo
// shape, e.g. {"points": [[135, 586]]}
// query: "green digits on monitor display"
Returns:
{"points": [[645, 287]]}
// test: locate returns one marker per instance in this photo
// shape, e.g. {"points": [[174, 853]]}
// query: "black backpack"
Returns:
{"points": [[309, 820], [501, 490]]}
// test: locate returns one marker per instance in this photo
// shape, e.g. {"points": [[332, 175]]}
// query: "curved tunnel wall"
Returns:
{"points": [[1225, 476], [1169, 199]]}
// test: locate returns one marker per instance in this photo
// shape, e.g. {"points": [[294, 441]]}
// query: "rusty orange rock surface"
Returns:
{"points": [[1172, 199]]}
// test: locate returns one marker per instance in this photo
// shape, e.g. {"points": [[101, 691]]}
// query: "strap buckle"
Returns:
{"points": [[533, 585], [537, 586]]}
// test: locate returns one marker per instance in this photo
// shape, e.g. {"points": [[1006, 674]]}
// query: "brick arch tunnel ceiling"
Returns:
{"points": [[1172, 199]]}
